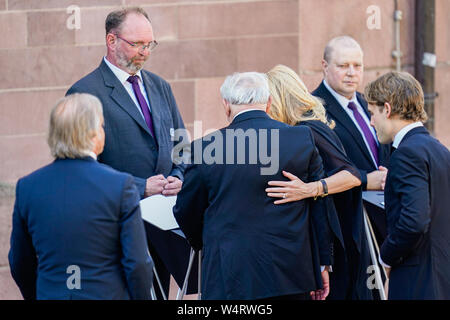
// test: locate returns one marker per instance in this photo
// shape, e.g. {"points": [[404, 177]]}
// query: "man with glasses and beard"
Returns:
{"points": [[140, 115]]}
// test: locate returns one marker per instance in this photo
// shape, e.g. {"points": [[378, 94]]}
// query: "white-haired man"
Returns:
{"points": [[253, 249]]}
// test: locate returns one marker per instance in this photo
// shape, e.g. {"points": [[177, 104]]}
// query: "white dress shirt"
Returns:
{"points": [[123, 77], [343, 101]]}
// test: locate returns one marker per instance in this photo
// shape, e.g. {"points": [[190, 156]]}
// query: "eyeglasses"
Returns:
{"points": [[150, 46]]}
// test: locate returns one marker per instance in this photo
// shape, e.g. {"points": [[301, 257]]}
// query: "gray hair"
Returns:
{"points": [[115, 19], [246, 88], [345, 41], [74, 121]]}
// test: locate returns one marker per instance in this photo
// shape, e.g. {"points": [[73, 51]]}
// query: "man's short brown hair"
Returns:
{"points": [[115, 19], [402, 91]]}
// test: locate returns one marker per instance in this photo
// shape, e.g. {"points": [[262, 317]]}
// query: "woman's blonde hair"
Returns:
{"points": [[74, 121], [291, 101]]}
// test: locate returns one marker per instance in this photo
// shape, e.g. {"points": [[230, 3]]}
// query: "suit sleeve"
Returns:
{"points": [[409, 181], [136, 261], [319, 214], [177, 168], [192, 202], [22, 256], [363, 174], [331, 150]]}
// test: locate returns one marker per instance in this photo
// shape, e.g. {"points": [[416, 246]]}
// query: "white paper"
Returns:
{"points": [[157, 210]]}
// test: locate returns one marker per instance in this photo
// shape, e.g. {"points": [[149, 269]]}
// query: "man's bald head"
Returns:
{"points": [[337, 43]]}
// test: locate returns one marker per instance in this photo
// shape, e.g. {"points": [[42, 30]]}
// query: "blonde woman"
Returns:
{"points": [[294, 105]]}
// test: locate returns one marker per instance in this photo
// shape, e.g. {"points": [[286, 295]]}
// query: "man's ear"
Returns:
{"points": [[268, 105], [226, 107], [324, 66], [387, 110], [110, 40]]}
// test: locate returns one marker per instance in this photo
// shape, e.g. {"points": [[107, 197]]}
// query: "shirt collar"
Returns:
{"points": [[401, 134], [119, 73], [246, 110], [343, 101], [92, 155]]}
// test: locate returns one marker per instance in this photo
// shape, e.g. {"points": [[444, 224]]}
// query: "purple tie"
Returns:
{"points": [[366, 130], [134, 80]]}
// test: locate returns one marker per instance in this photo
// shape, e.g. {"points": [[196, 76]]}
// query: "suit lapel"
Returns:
{"points": [[363, 104], [154, 99], [334, 108], [121, 96], [384, 150]]}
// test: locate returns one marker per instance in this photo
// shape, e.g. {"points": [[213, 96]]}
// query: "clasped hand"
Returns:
{"points": [[160, 185]]}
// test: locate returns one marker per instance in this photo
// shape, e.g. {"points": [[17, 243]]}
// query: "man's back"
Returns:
{"points": [[80, 213], [252, 248], [417, 201]]}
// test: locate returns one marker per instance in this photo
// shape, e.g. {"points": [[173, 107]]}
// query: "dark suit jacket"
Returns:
{"points": [[351, 260], [82, 213], [417, 197], [130, 147], [253, 248], [357, 151], [350, 136]]}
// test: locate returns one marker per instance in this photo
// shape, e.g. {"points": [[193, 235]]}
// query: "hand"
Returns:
{"points": [[383, 182], [386, 288], [321, 294], [155, 185], [172, 187], [376, 180], [293, 190], [388, 271], [386, 284]]}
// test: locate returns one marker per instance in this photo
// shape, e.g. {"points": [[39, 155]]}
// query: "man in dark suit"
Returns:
{"points": [[416, 251], [343, 73], [141, 116], [77, 228], [252, 248]]}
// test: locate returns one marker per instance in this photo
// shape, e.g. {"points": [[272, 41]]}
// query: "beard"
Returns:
{"points": [[130, 65]]}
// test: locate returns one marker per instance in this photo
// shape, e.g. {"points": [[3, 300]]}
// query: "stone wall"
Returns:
{"points": [[201, 41]]}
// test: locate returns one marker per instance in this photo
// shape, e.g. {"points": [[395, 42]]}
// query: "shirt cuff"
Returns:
{"points": [[322, 268], [382, 263]]}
